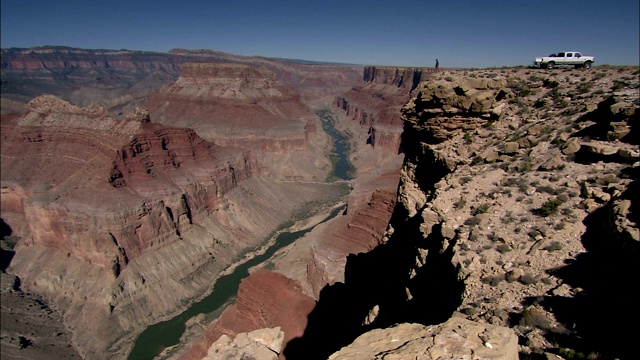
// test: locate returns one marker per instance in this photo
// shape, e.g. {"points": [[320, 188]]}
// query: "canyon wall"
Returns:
{"points": [[119, 80], [317, 260], [376, 104], [499, 217], [123, 222], [514, 208]]}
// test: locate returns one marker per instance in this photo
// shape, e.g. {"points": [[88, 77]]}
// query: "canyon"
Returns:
{"points": [[488, 209]]}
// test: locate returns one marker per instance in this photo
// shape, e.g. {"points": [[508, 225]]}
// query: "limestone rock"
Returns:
{"points": [[261, 344], [457, 338]]}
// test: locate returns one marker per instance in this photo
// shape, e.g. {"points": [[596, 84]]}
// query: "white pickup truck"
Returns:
{"points": [[571, 58]]}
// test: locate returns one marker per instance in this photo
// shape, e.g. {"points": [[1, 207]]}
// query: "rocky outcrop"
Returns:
{"points": [[488, 158], [261, 344], [499, 218], [375, 105], [407, 78], [456, 339]]}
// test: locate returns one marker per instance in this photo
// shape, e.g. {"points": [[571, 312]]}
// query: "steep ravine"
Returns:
{"points": [[516, 211], [379, 279]]}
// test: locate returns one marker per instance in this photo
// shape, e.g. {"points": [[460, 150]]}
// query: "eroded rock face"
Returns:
{"points": [[234, 105], [122, 221], [456, 339], [265, 299], [375, 105], [489, 161]]}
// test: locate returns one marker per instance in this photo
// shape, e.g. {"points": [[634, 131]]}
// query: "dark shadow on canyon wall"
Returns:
{"points": [[601, 318], [6, 250], [381, 277]]}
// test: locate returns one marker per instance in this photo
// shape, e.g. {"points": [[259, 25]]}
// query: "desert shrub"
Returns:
{"points": [[493, 280], [535, 78], [477, 160], [508, 218], [481, 209], [559, 226], [460, 203], [535, 318], [524, 166], [503, 248], [547, 280], [24, 342], [550, 207], [562, 104], [554, 246], [472, 221], [584, 88], [568, 353], [528, 279]]}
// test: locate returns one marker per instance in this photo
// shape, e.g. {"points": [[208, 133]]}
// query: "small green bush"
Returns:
{"points": [[554, 246], [550, 207], [481, 209]]}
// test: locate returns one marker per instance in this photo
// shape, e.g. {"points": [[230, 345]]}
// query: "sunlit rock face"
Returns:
{"points": [[107, 210], [235, 105], [376, 102]]}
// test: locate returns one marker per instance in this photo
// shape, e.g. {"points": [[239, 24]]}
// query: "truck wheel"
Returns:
{"points": [[587, 65], [551, 65]]}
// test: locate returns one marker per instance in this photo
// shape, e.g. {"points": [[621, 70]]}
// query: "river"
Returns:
{"points": [[153, 340]]}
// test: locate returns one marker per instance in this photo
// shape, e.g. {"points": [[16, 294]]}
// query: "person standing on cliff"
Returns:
{"points": [[437, 64]]}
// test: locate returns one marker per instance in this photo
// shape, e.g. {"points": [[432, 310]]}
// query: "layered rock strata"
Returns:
{"points": [[376, 104], [265, 299], [119, 80], [122, 222], [222, 103]]}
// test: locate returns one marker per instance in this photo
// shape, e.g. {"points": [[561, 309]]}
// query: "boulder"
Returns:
{"points": [[457, 338]]}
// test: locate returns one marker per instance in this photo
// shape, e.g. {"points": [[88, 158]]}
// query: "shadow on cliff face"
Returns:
{"points": [[381, 277], [599, 319], [6, 250]]}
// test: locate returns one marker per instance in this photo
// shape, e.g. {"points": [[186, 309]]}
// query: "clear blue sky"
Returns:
{"points": [[473, 33]]}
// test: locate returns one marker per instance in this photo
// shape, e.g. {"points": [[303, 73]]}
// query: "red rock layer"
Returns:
{"points": [[64, 57], [265, 299], [69, 173], [359, 232], [234, 105]]}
